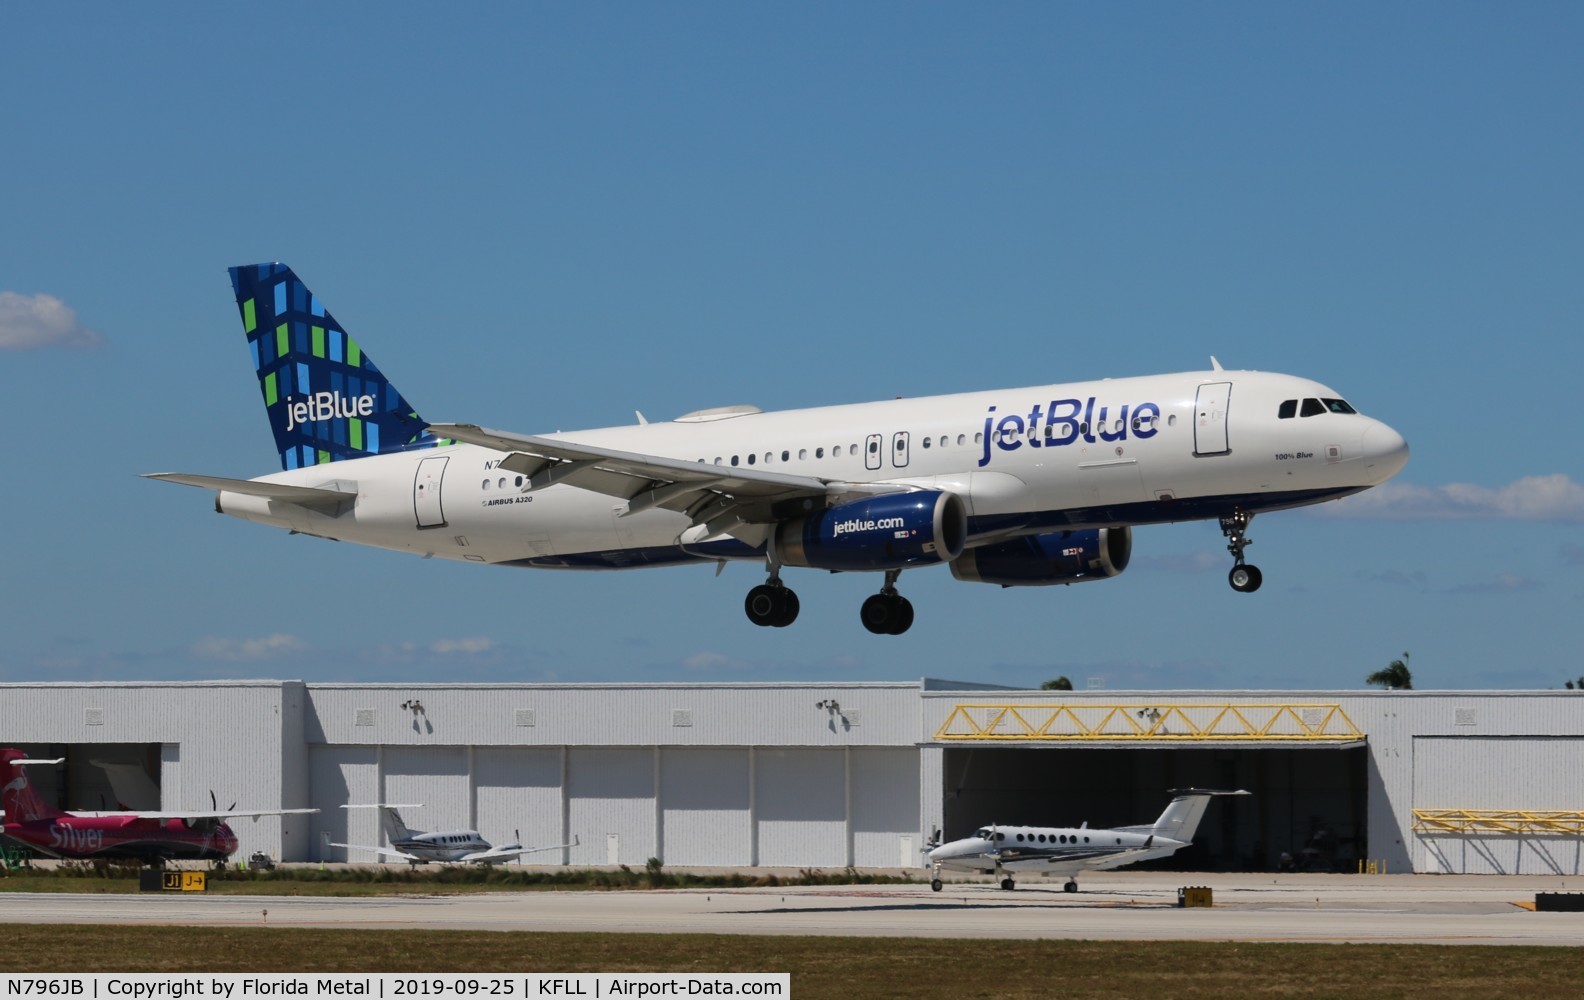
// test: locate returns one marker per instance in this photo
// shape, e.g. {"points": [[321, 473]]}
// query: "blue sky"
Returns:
{"points": [[546, 216]]}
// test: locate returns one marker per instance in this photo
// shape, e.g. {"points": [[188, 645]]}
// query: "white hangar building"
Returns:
{"points": [[829, 775]]}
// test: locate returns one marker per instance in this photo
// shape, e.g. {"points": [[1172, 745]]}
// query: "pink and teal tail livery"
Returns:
{"points": [[326, 400]]}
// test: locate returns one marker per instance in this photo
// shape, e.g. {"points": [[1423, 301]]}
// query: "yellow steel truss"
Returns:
{"points": [[1498, 821], [1083, 721]]}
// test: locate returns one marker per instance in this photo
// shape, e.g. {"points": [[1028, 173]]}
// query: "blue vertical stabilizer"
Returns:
{"points": [[326, 400]]}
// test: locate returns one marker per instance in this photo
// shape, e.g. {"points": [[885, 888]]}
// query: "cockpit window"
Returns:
{"points": [[983, 834], [1287, 410], [1313, 407], [1338, 406]]}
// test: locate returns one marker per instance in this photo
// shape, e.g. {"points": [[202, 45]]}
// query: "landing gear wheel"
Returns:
{"points": [[1245, 579], [1008, 884], [1071, 886], [887, 614], [935, 885], [771, 606]]}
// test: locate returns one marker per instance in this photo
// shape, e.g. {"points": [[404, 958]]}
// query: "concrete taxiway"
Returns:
{"points": [[1138, 906]]}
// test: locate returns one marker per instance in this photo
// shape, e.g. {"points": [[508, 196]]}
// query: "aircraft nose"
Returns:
{"points": [[1385, 452]]}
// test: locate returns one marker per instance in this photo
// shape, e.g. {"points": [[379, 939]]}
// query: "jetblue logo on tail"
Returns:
{"points": [[326, 406]]}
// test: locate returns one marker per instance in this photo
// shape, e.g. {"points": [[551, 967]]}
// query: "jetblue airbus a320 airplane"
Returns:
{"points": [[1013, 487]]}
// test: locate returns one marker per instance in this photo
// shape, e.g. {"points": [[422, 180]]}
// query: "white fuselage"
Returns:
{"points": [[1115, 452], [443, 846], [1055, 850]]}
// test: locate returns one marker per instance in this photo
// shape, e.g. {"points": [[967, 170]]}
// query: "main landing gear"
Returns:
{"points": [[772, 604], [1244, 578], [1071, 886], [1008, 884], [888, 612]]}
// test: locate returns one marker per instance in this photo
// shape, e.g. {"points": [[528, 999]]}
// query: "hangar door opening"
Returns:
{"points": [[1309, 803]]}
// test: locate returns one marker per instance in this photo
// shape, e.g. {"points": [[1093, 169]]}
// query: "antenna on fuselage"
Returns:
{"points": [[1215, 365]]}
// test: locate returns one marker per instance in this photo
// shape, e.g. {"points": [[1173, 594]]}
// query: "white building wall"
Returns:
{"points": [[884, 797], [435, 777], [611, 805], [705, 799], [800, 800], [339, 776], [1474, 772], [517, 791]]}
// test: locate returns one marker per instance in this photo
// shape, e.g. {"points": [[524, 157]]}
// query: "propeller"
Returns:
{"points": [[215, 803]]}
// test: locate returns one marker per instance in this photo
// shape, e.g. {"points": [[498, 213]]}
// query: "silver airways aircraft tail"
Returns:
{"points": [[1001, 850], [1023, 487]]}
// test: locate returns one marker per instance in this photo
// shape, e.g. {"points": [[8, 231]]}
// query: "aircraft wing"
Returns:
{"points": [[724, 498], [194, 815], [307, 496], [498, 854], [377, 850]]}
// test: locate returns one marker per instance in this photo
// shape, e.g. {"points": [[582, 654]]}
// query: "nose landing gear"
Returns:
{"points": [[1244, 578], [888, 612]]}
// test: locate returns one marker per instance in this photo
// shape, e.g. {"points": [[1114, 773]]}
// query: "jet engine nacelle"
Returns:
{"points": [[877, 533], [1042, 560]]}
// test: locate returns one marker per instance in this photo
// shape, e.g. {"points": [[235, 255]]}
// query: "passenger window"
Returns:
{"points": [[1338, 406], [519, 478], [852, 449], [734, 459], [1312, 408], [750, 459], [819, 452], [926, 443], [1287, 410], [786, 456], [486, 484], [1083, 428], [962, 438]]}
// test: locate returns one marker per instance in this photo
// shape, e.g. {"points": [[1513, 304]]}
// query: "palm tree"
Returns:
{"points": [[1059, 684], [1394, 676]]}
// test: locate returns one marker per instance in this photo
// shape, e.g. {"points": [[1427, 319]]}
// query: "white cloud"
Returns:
{"points": [[247, 650], [33, 321], [470, 645], [1502, 583], [1554, 498]]}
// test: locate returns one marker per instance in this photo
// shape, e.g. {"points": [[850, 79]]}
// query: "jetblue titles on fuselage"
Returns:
{"points": [[1066, 421]]}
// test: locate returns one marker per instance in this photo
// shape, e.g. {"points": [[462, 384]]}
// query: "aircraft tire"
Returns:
{"points": [[935, 885], [762, 605], [789, 608], [887, 614], [1245, 579], [1070, 887], [1008, 884], [904, 616]]}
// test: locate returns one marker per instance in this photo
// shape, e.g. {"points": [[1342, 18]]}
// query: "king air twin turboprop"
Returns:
{"points": [[1013, 487], [1066, 850], [439, 846]]}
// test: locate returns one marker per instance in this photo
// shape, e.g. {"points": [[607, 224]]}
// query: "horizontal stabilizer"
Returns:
{"points": [[304, 496]]}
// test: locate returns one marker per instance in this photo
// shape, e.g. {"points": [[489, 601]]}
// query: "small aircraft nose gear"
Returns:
{"points": [[1008, 884], [888, 612], [1245, 578], [772, 604], [1072, 885]]}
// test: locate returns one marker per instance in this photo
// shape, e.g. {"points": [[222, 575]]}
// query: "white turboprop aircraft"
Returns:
{"points": [[1065, 850], [440, 846], [1013, 487]]}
